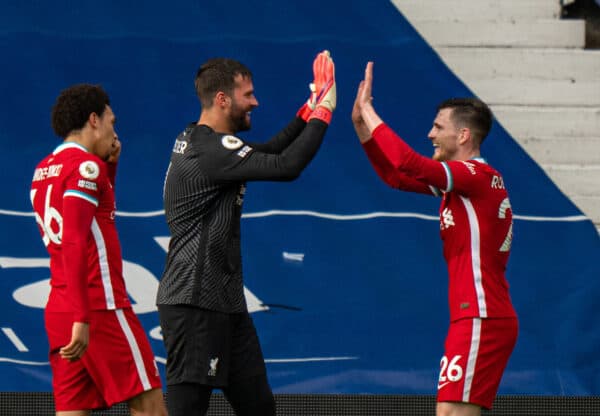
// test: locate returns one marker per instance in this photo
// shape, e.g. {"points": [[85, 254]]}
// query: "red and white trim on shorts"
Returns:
{"points": [[135, 350], [472, 360]]}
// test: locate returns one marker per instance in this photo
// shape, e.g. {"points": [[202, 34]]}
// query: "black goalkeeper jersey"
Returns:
{"points": [[203, 197]]}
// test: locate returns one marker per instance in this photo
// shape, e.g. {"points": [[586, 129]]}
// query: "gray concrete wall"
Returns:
{"points": [[532, 69]]}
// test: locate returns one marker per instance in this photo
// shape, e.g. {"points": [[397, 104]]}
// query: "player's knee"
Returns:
{"points": [[148, 403], [264, 406], [187, 399], [251, 397], [457, 409]]}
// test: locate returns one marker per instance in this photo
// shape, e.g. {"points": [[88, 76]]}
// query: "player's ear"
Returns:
{"points": [[221, 99], [464, 135], [93, 119]]}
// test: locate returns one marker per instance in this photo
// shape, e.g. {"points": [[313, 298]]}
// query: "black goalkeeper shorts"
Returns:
{"points": [[209, 347]]}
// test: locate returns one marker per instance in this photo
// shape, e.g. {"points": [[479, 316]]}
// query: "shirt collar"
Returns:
{"points": [[69, 145]]}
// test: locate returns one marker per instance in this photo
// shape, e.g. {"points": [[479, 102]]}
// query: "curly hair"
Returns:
{"points": [[218, 74], [74, 105]]}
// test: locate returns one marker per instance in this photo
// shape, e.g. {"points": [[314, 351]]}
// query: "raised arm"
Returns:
{"points": [[319, 105], [394, 160], [247, 162]]}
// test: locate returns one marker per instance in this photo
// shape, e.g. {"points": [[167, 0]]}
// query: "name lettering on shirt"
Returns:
{"points": [[497, 182], [502, 214], [47, 172], [470, 166], [179, 146]]}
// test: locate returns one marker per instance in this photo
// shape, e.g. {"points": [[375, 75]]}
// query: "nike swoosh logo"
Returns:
{"points": [[440, 386]]}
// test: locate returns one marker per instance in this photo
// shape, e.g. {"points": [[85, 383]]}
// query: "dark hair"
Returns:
{"points": [[472, 113], [218, 74], [74, 105]]}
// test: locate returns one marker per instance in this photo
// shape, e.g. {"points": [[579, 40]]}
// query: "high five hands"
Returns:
{"points": [[323, 98]]}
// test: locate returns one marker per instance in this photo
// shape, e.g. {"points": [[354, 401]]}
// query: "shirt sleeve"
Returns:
{"points": [[245, 163], [393, 177], [77, 219], [468, 177], [282, 139], [80, 201], [404, 159], [111, 170], [463, 177]]}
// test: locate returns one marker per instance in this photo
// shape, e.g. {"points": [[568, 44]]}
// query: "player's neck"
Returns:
{"points": [[467, 154], [81, 139], [215, 121]]}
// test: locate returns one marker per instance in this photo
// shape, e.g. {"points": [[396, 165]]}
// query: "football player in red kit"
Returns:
{"points": [[99, 353], [476, 230]]}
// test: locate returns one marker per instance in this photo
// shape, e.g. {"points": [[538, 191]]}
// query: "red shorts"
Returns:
{"points": [[117, 365], [476, 354]]}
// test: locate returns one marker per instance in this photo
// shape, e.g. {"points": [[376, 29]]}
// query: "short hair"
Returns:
{"points": [[472, 113], [218, 74], [74, 105]]}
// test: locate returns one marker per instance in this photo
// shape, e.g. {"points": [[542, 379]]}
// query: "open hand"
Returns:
{"points": [[364, 95], [361, 102]]}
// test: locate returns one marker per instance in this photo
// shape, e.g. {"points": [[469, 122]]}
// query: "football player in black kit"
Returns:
{"points": [[209, 336]]}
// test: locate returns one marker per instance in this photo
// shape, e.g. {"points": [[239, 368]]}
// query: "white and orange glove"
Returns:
{"points": [[323, 97]]}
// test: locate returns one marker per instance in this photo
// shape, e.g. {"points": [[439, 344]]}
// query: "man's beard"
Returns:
{"points": [[238, 119]]}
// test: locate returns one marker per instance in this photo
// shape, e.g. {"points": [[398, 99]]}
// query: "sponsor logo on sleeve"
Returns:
{"points": [[89, 169], [244, 151], [92, 186]]}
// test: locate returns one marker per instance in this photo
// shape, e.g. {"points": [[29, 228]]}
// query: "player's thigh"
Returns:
{"points": [[119, 356], [198, 344], [246, 354], [73, 387], [188, 399], [498, 338]]}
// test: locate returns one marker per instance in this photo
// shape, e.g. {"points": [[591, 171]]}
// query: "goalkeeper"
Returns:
{"points": [[209, 336]]}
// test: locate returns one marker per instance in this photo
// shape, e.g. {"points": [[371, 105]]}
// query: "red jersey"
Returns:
{"points": [[74, 204], [475, 221]]}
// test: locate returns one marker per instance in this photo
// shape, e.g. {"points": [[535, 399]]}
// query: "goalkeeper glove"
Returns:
{"points": [[322, 90], [324, 87]]}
